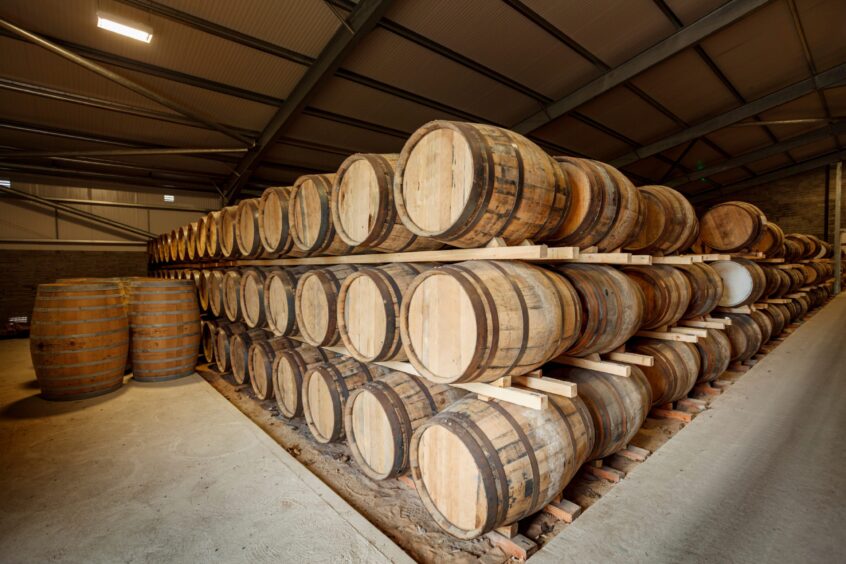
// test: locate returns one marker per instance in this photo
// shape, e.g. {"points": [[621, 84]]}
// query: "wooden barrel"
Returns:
{"points": [[778, 318], [287, 373], [203, 289], [786, 313], [225, 331], [480, 320], [201, 234], [260, 358], [227, 228], [216, 292], [182, 243], [173, 246], [765, 324], [771, 241], [232, 295], [369, 310], [706, 289], [191, 241], [326, 387], [79, 339], [280, 290], [464, 184], [744, 334], [666, 292], [363, 210], [612, 307], [732, 226], [273, 225], [792, 249], [239, 349], [669, 222], [310, 219], [251, 296], [812, 275], [618, 406], [381, 417], [675, 369], [715, 354], [208, 338], [213, 249], [164, 321], [506, 462], [316, 303], [797, 277], [247, 228], [744, 281], [807, 246], [605, 209]]}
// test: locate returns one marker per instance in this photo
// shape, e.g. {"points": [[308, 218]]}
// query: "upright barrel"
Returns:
{"points": [[79, 339], [480, 320], [165, 325], [310, 219], [506, 461], [464, 184], [381, 417], [363, 209], [369, 310]]}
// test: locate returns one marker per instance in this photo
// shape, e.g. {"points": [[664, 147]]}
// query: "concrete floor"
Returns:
{"points": [[760, 477], [166, 472]]}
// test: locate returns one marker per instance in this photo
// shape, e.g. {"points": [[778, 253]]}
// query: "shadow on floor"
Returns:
{"points": [[34, 406]]}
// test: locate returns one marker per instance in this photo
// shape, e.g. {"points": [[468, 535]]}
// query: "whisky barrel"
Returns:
{"points": [[381, 417], [223, 336], [611, 305], [247, 228], [363, 210], [618, 406], [745, 336], [744, 281], [204, 289], [202, 236], [774, 281], [771, 241], [369, 310], [506, 462], [191, 241], [280, 289], [251, 295], [797, 277], [464, 184], [666, 292], [480, 320], [765, 324], [226, 232], [316, 303], [669, 222], [786, 313], [164, 321], [808, 247], [812, 275], [79, 339], [706, 289], [287, 374], [732, 226], [273, 224], [778, 318], [326, 387], [182, 243], [675, 369], [309, 217], [213, 249], [792, 249], [173, 246], [232, 295], [239, 348], [208, 338], [715, 354], [605, 209], [216, 292], [260, 358]]}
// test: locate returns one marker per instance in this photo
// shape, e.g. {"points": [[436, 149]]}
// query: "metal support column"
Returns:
{"points": [[837, 214]]}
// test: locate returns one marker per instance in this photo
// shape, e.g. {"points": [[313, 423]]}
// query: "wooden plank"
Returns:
{"points": [[632, 358], [563, 510], [681, 259], [518, 546], [715, 257], [777, 301], [723, 320], [668, 336], [548, 385], [598, 365], [525, 398], [605, 472], [740, 309], [642, 260], [690, 331], [634, 453], [701, 324], [603, 258], [555, 254]]}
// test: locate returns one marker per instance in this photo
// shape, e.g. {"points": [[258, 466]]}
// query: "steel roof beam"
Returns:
{"points": [[827, 79], [362, 19], [682, 39]]}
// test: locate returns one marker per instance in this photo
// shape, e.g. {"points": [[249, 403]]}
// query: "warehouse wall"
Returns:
{"points": [[796, 203], [26, 264]]}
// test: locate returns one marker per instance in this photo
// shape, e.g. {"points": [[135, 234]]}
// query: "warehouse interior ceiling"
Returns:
{"points": [[708, 96]]}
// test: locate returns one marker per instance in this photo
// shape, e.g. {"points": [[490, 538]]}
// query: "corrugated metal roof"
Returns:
{"points": [[688, 11], [805, 107], [824, 21], [770, 163], [624, 111], [738, 140], [577, 136]]}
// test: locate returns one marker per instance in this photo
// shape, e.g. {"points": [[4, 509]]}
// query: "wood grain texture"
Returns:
{"points": [[675, 369], [288, 370], [310, 219]]}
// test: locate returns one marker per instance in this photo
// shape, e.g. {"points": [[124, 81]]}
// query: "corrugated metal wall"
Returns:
{"points": [[23, 220]]}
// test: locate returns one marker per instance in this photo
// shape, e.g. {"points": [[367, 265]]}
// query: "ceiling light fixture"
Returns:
{"points": [[134, 31]]}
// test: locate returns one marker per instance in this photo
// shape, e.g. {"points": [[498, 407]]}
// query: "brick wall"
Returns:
{"points": [[796, 204], [23, 271]]}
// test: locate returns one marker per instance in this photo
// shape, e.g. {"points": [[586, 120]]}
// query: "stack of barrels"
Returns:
{"points": [[478, 465]]}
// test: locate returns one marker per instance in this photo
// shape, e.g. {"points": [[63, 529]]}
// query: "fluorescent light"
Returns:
{"points": [[134, 31], [169, 198]]}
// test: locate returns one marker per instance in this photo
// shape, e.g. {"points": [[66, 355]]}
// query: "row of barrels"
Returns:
{"points": [[87, 333]]}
